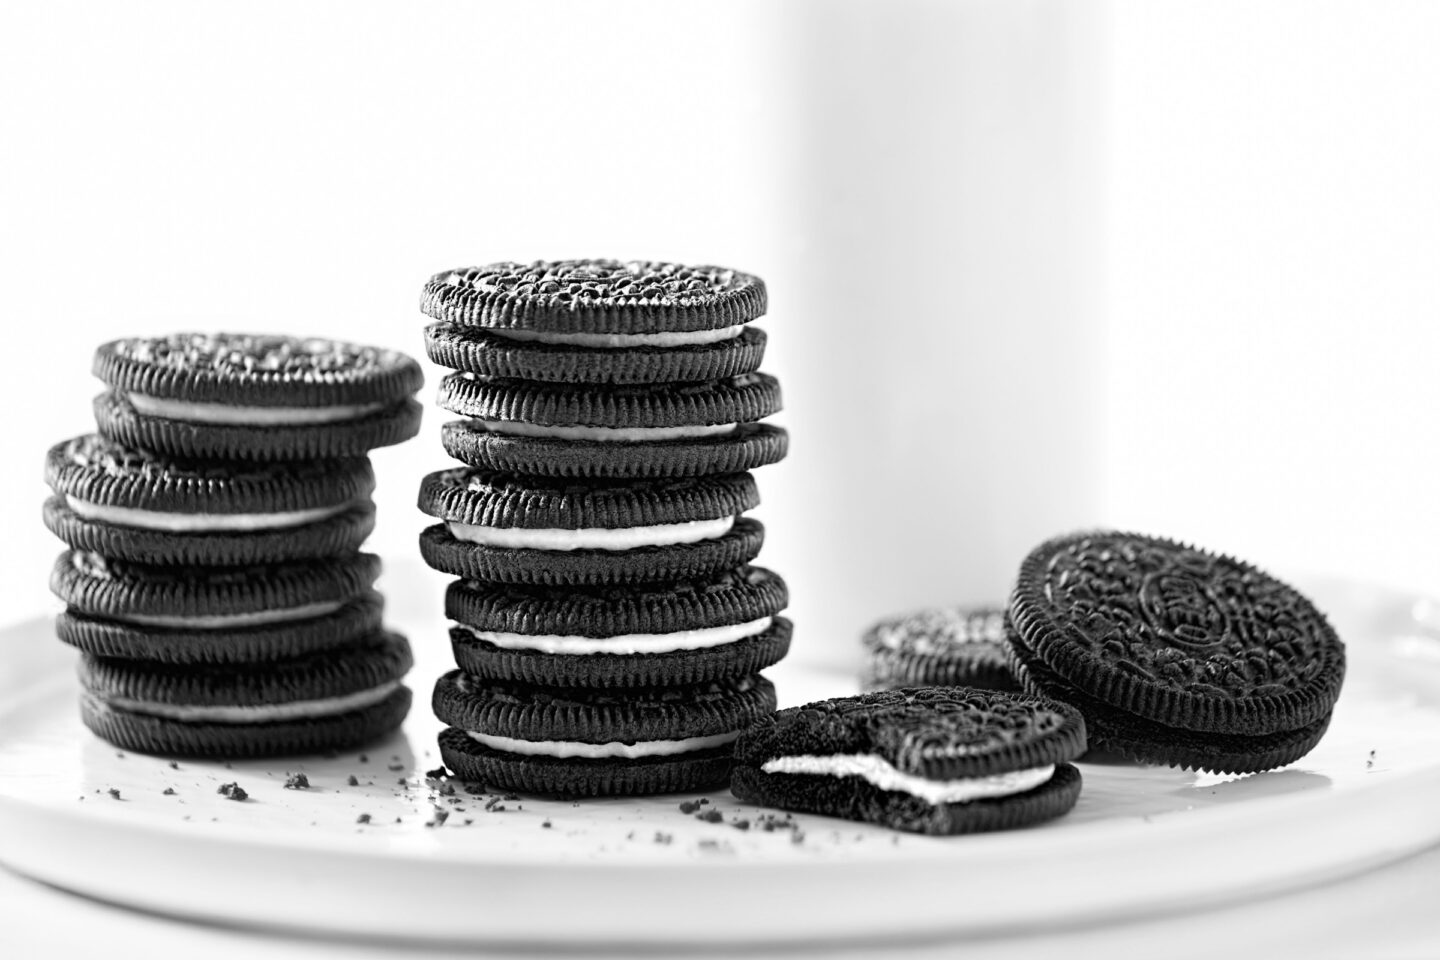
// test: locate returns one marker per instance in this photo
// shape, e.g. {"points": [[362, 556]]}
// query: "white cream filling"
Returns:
{"points": [[627, 643], [619, 341], [260, 713], [228, 620], [597, 751], [260, 416], [593, 538], [520, 428], [198, 522], [878, 771]]}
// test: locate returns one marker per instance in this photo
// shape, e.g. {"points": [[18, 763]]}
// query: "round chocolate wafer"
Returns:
{"points": [[924, 759], [256, 644], [523, 529], [960, 645], [593, 742], [321, 701], [1156, 634], [145, 595], [594, 296], [748, 446], [668, 633], [494, 354], [255, 397]]}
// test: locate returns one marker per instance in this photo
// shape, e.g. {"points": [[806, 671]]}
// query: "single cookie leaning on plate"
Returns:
{"points": [[939, 646], [593, 430], [321, 701], [594, 742], [938, 760], [255, 397], [134, 504], [595, 321], [671, 633], [1174, 655], [507, 528]]}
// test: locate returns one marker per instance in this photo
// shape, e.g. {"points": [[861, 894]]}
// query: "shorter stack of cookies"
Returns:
{"points": [[609, 627], [214, 581]]}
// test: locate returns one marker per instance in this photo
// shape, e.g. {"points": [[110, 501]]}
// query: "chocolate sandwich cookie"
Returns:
{"points": [[595, 742], [671, 633], [321, 701], [939, 646], [255, 397], [505, 527], [257, 643], [937, 760], [1175, 655], [170, 598], [135, 504], [583, 298], [585, 430], [596, 358]]}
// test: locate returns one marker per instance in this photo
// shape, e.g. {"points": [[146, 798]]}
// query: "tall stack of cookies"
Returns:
{"points": [[609, 626], [214, 580]]}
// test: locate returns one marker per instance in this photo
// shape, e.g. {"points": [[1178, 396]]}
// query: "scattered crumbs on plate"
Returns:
{"points": [[664, 839], [468, 821], [474, 789], [715, 846], [297, 781], [446, 789], [404, 782], [544, 823], [689, 806], [114, 793], [710, 816], [1370, 761], [398, 820], [493, 805], [168, 791], [350, 781], [232, 791], [174, 765], [438, 817], [363, 818], [741, 824]]}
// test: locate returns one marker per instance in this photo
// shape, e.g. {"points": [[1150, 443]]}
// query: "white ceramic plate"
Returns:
{"points": [[1140, 841]]}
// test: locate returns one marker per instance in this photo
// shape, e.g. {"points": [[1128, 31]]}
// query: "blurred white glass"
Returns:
{"points": [[936, 306]]}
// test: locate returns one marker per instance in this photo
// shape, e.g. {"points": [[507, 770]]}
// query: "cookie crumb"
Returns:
{"points": [[168, 792], [350, 781], [363, 818], [114, 793], [364, 758], [664, 839], [438, 817], [439, 773], [710, 816], [545, 823], [297, 781], [689, 806], [174, 765], [740, 824], [232, 791]]}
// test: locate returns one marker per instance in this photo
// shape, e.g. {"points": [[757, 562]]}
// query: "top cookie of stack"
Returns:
{"points": [[612, 410]]}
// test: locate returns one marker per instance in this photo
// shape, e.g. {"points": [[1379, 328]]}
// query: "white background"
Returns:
{"points": [[1191, 250]]}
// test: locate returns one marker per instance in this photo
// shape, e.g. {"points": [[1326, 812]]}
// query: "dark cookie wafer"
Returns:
{"points": [[1154, 635], [135, 504], [255, 397], [523, 529], [748, 446], [321, 701], [522, 404], [939, 646], [668, 633], [256, 644], [609, 296], [939, 760], [595, 743], [493, 355], [204, 597]]}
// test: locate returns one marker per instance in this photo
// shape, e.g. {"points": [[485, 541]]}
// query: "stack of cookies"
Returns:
{"points": [[214, 580], [609, 626]]}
